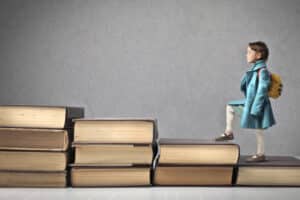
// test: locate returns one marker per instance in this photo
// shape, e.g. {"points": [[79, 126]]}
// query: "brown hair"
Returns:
{"points": [[261, 48]]}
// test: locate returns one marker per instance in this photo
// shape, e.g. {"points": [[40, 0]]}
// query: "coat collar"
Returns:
{"points": [[257, 65]]}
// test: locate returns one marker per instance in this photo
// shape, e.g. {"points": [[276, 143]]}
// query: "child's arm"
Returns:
{"points": [[261, 93], [243, 85]]}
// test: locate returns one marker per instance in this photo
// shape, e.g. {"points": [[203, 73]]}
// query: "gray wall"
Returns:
{"points": [[179, 61]]}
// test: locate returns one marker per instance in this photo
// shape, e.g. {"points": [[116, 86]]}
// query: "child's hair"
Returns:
{"points": [[260, 47]]}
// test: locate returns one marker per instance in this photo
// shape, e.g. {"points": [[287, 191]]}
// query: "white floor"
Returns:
{"points": [[145, 193]]}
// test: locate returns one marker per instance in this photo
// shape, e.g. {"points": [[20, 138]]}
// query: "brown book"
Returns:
{"points": [[115, 130], [33, 160], [22, 116], [32, 179], [197, 152], [93, 153], [33, 139], [276, 171], [110, 176], [193, 175]]}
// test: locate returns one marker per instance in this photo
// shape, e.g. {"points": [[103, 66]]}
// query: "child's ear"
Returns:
{"points": [[258, 55]]}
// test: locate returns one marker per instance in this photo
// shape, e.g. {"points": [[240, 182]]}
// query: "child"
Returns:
{"points": [[255, 110]]}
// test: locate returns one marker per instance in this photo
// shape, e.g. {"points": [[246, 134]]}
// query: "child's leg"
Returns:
{"points": [[260, 155], [229, 119], [260, 142]]}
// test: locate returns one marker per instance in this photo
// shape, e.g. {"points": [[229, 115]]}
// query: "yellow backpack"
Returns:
{"points": [[275, 88]]}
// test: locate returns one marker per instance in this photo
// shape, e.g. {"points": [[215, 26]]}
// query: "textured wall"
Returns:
{"points": [[178, 61]]}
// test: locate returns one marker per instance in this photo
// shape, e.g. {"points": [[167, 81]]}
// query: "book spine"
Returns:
{"points": [[72, 113]]}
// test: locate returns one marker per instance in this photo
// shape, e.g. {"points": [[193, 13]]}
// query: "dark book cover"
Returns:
{"points": [[186, 141], [271, 161]]}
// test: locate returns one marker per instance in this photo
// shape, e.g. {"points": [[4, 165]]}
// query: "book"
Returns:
{"points": [[96, 176], [115, 130], [197, 152], [113, 152], [276, 171], [33, 139], [33, 160], [22, 116], [32, 179], [93, 153], [194, 162], [193, 175]]}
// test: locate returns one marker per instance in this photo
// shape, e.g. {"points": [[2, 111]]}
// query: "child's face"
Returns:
{"points": [[252, 55]]}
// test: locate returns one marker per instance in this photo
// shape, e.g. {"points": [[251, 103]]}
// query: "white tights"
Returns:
{"points": [[230, 114]]}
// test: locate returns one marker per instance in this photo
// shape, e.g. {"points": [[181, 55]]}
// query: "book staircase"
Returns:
{"points": [[54, 146], [113, 152], [35, 145], [195, 162]]}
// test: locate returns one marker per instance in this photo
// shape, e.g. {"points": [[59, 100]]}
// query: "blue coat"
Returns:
{"points": [[257, 112]]}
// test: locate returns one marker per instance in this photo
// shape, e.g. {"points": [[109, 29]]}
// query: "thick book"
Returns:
{"points": [[33, 160], [99, 176], [193, 175], [33, 139], [115, 130], [185, 162], [276, 171], [24, 116], [93, 153], [197, 152], [33, 179]]}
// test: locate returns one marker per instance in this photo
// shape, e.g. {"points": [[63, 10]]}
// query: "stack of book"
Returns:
{"points": [[275, 171], [195, 162], [113, 152], [34, 144]]}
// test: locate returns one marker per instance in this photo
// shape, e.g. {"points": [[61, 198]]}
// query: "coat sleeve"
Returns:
{"points": [[261, 93], [243, 85]]}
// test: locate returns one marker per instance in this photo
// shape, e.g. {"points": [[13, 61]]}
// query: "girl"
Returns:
{"points": [[255, 109]]}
